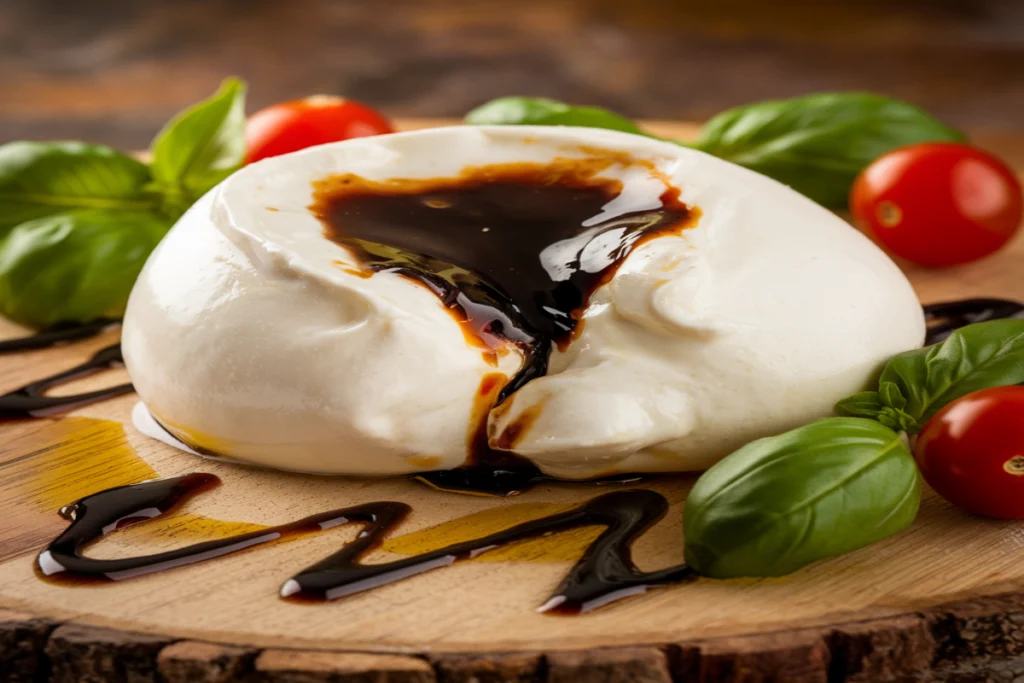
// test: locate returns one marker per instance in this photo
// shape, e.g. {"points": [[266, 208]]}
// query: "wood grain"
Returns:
{"points": [[940, 598]]}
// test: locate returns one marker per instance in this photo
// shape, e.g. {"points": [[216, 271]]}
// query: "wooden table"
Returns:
{"points": [[939, 602], [112, 71]]}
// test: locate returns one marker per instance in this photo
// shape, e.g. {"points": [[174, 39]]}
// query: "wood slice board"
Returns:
{"points": [[887, 606]]}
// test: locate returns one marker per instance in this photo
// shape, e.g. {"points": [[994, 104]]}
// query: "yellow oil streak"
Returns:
{"points": [[567, 546], [47, 464]]}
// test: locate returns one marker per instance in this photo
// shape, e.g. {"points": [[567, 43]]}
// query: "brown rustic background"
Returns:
{"points": [[112, 71]]}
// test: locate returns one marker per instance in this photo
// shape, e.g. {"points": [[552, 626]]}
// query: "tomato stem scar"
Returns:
{"points": [[1015, 465], [889, 214]]}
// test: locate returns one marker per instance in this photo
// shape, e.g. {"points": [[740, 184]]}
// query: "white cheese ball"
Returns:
{"points": [[251, 335]]}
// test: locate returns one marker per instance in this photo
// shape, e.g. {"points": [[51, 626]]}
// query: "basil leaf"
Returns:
{"points": [[869, 405], [74, 267], [783, 502], [817, 144], [539, 111], [201, 146], [919, 383], [40, 179], [865, 404]]}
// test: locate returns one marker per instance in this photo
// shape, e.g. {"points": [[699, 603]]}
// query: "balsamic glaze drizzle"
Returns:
{"points": [[945, 317], [505, 479], [513, 251], [603, 574], [60, 334], [31, 400], [485, 477]]}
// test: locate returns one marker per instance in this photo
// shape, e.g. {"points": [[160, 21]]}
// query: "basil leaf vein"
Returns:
{"points": [[75, 267], [39, 179], [817, 144], [780, 503], [973, 358], [915, 385]]}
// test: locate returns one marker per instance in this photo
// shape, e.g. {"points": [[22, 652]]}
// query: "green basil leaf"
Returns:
{"points": [[40, 179], [894, 418], [865, 404], [919, 383], [869, 404], [201, 146], [74, 267], [781, 503], [539, 111], [817, 144]]}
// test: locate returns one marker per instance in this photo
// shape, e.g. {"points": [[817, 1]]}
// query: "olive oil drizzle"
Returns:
{"points": [[603, 574]]}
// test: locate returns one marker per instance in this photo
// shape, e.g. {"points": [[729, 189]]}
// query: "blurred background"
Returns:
{"points": [[112, 71]]}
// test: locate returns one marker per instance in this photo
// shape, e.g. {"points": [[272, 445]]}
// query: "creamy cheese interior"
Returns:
{"points": [[251, 335]]}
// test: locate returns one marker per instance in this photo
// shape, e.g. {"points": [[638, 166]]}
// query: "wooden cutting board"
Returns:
{"points": [[921, 600]]}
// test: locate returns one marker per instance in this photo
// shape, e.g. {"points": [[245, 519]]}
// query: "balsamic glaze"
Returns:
{"points": [[31, 400], [60, 334], [604, 573], [107, 511], [508, 478], [946, 317], [514, 251], [486, 476]]}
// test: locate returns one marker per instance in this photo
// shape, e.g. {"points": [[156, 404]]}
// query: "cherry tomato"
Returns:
{"points": [[938, 204], [291, 126], [972, 452]]}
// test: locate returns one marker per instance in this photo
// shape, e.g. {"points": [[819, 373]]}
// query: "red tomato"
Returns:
{"points": [[972, 452], [938, 204], [291, 126]]}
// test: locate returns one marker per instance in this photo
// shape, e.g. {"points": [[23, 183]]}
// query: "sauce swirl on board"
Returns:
{"points": [[31, 400], [60, 334], [605, 572], [945, 317]]}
